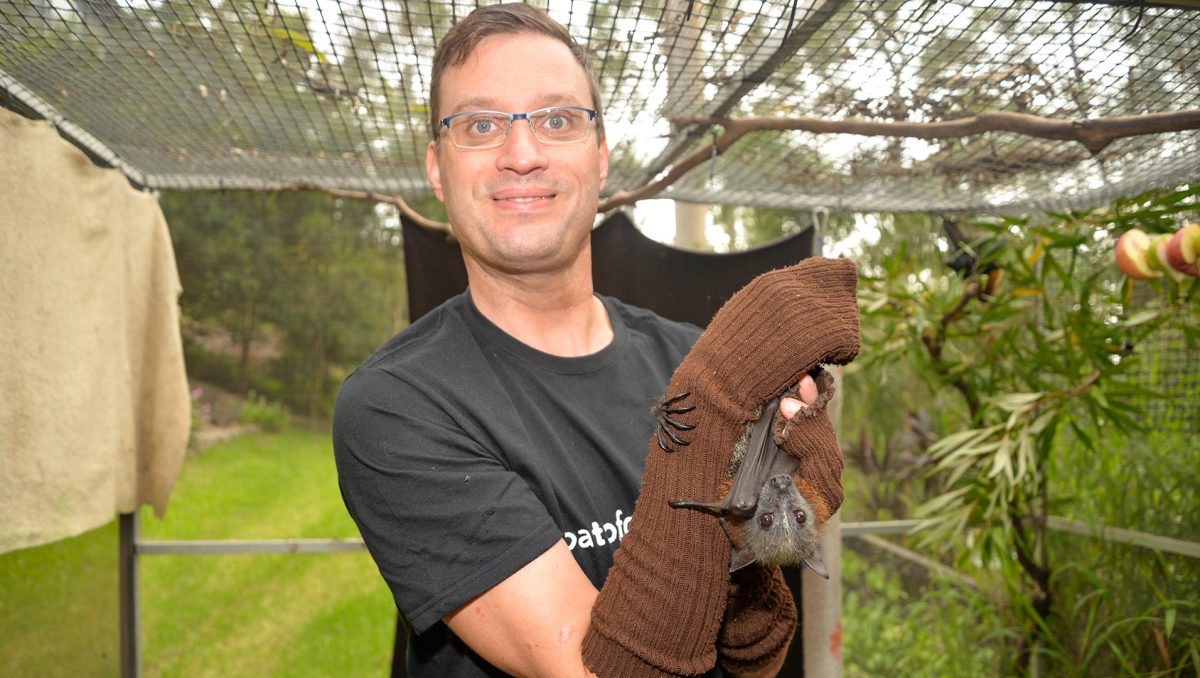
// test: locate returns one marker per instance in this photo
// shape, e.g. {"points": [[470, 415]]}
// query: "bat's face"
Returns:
{"points": [[783, 529]]}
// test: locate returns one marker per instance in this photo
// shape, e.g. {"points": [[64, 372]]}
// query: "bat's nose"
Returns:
{"points": [[780, 482]]}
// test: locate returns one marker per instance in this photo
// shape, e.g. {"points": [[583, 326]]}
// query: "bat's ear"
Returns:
{"points": [[817, 564], [739, 557]]}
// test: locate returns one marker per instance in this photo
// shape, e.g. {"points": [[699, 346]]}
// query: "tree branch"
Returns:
{"points": [[971, 291], [734, 130], [1095, 133], [934, 343], [404, 208], [1039, 574], [1072, 392]]}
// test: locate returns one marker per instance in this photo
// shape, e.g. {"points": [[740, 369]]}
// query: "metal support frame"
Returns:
{"points": [[132, 547], [131, 652]]}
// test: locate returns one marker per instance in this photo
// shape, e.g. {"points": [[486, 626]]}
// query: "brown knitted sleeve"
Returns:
{"points": [[760, 620], [662, 605]]}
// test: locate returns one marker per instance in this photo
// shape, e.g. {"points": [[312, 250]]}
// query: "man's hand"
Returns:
{"points": [[807, 390]]}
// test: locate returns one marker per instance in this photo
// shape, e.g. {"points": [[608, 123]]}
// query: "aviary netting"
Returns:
{"points": [[979, 105]]}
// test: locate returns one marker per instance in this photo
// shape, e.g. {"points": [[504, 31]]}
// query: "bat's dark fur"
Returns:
{"points": [[768, 519]]}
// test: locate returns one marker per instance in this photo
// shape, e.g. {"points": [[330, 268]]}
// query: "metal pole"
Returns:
{"points": [[131, 657]]}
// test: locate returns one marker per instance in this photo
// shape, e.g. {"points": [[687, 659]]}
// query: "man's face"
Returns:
{"points": [[524, 206]]}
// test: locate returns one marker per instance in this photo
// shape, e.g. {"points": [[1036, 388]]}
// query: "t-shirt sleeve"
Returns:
{"points": [[441, 515]]}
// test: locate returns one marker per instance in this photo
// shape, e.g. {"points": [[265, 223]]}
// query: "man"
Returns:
{"points": [[491, 453]]}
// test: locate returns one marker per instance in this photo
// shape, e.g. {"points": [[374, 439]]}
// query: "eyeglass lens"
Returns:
{"points": [[551, 126]]}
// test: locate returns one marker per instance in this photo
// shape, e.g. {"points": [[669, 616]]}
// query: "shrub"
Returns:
{"points": [[270, 415]]}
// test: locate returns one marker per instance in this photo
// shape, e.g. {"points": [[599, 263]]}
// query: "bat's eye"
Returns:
{"points": [[800, 517], [766, 519]]}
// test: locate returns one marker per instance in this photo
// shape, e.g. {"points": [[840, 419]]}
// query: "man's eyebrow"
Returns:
{"points": [[490, 104], [475, 104]]}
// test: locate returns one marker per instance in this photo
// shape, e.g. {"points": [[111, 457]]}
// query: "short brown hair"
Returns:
{"points": [[465, 36]]}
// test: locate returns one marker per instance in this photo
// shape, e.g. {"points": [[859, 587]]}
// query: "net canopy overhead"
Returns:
{"points": [[333, 93]]}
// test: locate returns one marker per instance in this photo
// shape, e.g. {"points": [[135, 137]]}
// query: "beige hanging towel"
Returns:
{"points": [[94, 403]]}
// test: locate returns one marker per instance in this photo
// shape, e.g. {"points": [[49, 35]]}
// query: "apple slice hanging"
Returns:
{"points": [[1156, 256], [1131, 250], [1184, 249]]}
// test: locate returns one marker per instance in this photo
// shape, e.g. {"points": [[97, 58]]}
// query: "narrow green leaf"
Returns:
{"points": [[1011, 402], [960, 455], [1043, 420], [1116, 650], [1083, 437], [1002, 461], [1142, 317], [1024, 456], [960, 439], [937, 503]]}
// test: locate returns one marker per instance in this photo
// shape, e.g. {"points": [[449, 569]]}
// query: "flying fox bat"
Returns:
{"points": [[767, 518]]}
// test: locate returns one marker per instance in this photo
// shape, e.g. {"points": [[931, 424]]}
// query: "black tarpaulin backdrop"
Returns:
{"points": [[678, 284]]}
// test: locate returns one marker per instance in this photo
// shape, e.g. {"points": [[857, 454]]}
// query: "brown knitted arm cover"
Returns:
{"points": [[760, 620], [661, 607]]}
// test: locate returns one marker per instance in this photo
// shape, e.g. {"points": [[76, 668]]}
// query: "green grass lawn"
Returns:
{"points": [[231, 615]]}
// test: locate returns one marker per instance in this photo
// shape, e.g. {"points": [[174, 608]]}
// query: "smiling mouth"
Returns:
{"points": [[523, 201], [530, 199]]}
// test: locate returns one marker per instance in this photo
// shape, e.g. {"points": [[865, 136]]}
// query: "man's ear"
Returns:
{"points": [[603, 162], [433, 171]]}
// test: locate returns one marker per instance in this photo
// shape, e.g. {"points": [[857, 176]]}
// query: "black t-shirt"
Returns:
{"points": [[464, 454]]}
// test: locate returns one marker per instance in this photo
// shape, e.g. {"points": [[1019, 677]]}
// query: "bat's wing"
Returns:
{"points": [[763, 459]]}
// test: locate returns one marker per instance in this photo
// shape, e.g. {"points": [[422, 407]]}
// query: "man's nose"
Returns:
{"points": [[521, 151]]}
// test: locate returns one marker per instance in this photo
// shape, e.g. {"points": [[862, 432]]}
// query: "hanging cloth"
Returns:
{"points": [[94, 403]]}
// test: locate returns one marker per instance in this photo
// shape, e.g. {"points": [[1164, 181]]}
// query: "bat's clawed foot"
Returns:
{"points": [[665, 413]]}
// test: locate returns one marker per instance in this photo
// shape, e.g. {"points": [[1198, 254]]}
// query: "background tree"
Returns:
{"points": [[316, 280]]}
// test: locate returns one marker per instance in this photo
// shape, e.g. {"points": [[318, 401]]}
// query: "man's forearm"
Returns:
{"points": [[533, 623]]}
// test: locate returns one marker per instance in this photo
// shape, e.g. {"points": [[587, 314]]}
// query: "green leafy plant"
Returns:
{"points": [[1036, 332]]}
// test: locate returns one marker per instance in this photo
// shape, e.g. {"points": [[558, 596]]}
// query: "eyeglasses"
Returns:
{"points": [[489, 129]]}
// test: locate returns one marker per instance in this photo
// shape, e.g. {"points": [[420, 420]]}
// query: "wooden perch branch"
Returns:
{"points": [[405, 209], [1095, 134], [734, 130]]}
